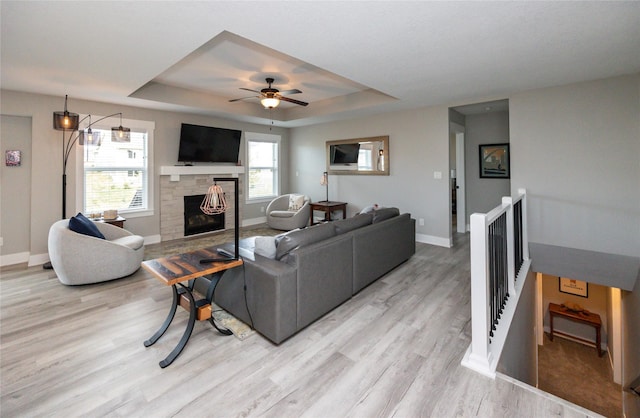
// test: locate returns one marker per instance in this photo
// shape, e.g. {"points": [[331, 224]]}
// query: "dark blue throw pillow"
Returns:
{"points": [[83, 225]]}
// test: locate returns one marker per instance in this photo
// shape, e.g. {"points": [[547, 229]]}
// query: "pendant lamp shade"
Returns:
{"points": [[65, 120]]}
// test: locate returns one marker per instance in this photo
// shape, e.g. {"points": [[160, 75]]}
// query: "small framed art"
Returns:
{"points": [[574, 287], [12, 158], [494, 161]]}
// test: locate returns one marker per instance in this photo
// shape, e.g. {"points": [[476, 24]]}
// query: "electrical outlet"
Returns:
{"points": [[421, 222], [261, 209], [437, 175]]}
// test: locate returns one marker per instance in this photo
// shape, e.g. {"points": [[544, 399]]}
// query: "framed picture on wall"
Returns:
{"points": [[494, 161], [12, 158], [574, 287]]}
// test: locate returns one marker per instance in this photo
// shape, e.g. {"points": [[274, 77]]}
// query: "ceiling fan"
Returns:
{"points": [[271, 97]]}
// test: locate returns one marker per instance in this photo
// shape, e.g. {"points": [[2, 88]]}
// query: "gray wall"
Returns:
{"points": [[44, 186], [486, 128], [576, 149], [419, 145], [15, 134], [520, 353]]}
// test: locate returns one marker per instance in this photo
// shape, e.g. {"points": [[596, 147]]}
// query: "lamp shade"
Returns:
{"points": [[65, 120], [270, 102], [120, 134]]}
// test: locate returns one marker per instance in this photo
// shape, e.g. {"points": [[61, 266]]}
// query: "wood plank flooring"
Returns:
{"points": [[394, 350]]}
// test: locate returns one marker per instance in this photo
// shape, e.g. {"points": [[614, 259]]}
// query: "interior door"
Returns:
{"points": [[461, 217]]}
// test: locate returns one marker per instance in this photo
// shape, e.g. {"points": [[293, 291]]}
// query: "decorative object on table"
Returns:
{"points": [[214, 202], [573, 287], [574, 307], [110, 214], [324, 181], [495, 161], [12, 158], [67, 121]]}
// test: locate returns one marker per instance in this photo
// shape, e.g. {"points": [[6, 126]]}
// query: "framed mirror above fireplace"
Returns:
{"points": [[359, 156]]}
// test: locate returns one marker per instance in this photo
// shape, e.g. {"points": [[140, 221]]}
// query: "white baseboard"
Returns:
{"points": [[254, 221], [17, 258], [152, 239], [430, 239]]}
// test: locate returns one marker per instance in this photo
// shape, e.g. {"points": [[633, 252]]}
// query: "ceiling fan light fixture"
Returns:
{"points": [[270, 102]]}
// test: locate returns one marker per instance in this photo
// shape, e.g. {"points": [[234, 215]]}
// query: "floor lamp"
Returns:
{"points": [[66, 121], [324, 181], [214, 203]]}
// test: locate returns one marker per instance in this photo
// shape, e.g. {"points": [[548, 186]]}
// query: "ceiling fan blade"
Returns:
{"points": [[243, 98], [253, 91], [293, 91], [298, 102]]}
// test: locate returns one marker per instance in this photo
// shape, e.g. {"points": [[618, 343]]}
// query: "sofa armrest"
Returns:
{"points": [[270, 296]]}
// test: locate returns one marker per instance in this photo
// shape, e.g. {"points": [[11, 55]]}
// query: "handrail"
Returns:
{"points": [[499, 256]]}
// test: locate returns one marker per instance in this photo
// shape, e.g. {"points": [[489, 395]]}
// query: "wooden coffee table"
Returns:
{"points": [[187, 267]]}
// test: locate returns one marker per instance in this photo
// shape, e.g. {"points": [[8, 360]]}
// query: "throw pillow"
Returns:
{"points": [[303, 237], [384, 214], [349, 224], [370, 209], [83, 225], [265, 246], [296, 201]]}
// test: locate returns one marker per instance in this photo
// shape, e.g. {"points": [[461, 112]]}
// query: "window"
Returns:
{"points": [[262, 166], [116, 174]]}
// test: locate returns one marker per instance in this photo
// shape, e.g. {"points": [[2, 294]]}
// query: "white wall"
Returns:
{"points": [[576, 149], [419, 145], [46, 161]]}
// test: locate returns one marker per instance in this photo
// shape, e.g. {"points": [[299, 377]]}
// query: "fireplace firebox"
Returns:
{"points": [[197, 222]]}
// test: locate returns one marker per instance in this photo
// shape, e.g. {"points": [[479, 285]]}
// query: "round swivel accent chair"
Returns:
{"points": [[82, 259]]}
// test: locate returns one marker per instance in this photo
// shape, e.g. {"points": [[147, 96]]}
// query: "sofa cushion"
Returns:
{"points": [[265, 246], [303, 237], [349, 224], [83, 225], [296, 201], [384, 214], [281, 213]]}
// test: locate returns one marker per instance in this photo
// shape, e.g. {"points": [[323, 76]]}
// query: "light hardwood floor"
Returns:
{"points": [[392, 350]]}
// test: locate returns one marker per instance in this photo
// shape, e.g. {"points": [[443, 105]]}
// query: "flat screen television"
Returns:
{"points": [[206, 144], [344, 153]]}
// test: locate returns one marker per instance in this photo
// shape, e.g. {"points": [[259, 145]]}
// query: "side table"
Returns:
{"points": [[119, 221], [588, 318], [173, 271], [328, 208]]}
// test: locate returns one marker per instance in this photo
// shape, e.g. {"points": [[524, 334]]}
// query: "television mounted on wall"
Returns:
{"points": [[206, 144], [344, 153]]}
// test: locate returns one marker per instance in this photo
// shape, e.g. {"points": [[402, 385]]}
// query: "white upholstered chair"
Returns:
{"points": [[280, 215], [82, 259]]}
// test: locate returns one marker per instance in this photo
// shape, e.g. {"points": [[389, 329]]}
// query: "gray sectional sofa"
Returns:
{"points": [[313, 270]]}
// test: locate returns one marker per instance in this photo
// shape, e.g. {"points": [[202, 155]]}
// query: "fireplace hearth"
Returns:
{"points": [[197, 222]]}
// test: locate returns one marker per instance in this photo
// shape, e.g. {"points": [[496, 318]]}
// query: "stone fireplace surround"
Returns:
{"points": [[179, 181]]}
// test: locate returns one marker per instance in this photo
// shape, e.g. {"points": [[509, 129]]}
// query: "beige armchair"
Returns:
{"points": [[281, 216], [82, 259]]}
